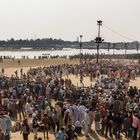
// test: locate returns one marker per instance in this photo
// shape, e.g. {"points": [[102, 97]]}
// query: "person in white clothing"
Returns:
{"points": [[27, 109], [87, 123], [75, 113], [81, 112]]}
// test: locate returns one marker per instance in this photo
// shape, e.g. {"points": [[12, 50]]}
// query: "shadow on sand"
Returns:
{"points": [[95, 135]]}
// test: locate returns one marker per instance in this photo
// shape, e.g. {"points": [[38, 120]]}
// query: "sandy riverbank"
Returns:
{"points": [[11, 66]]}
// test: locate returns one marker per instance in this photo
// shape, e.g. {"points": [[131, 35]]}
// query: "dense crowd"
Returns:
{"points": [[106, 56], [47, 102]]}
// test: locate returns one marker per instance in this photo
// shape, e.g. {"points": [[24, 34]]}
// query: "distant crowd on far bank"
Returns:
{"points": [[85, 56]]}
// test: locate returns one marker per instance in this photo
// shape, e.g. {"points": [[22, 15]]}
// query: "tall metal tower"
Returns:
{"points": [[98, 39]]}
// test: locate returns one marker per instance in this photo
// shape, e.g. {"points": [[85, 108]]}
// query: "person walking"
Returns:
{"points": [[35, 126], [135, 125], [45, 122], [56, 121], [3, 124], [8, 126], [97, 119], [118, 123], [109, 122], [25, 129], [87, 123]]}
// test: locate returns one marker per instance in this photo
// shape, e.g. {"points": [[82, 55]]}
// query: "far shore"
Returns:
{"points": [[53, 49]]}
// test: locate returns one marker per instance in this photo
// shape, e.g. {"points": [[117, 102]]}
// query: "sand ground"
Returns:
{"points": [[11, 66]]}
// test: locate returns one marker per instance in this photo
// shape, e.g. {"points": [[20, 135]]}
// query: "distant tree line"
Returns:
{"points": [[38, 43], [47, 43]]}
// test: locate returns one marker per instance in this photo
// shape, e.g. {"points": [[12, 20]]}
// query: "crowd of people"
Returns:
{"points": [[47, 102], [106, 56]]}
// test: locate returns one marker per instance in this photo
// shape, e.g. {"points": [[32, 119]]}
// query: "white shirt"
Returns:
{"points": [[82, 108], [128, 106], [87, 119], [78, 124], [27, 107]]}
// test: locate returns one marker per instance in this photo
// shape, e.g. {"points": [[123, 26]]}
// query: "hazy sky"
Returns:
{"points": [[67, 19]]}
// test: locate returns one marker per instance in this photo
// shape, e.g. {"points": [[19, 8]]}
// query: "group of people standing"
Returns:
{"points": [[48, 103]]}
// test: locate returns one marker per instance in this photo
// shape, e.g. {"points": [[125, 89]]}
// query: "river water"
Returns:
{"points": [[66, 51]]}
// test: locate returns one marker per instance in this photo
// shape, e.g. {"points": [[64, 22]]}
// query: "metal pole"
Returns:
{"points": [[137, 48], [97, 53], [113, 48], [108, 47], [80, 44], [125, 47], [99, 23]]}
